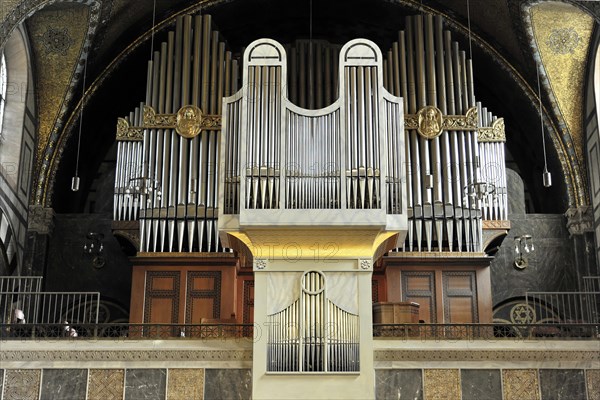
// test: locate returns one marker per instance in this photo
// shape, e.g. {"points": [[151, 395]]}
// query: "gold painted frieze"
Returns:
{"points": [[429, 121]]}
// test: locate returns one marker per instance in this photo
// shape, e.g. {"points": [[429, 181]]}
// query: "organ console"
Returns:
{"points": [[311, 143]]}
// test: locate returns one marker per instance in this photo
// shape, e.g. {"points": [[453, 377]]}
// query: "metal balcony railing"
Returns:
{"points": [[125, 331], [440, 332], [570, 331]]}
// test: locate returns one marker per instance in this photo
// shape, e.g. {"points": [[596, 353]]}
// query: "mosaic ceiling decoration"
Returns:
{"points": [[57, 38], [562, 35]]}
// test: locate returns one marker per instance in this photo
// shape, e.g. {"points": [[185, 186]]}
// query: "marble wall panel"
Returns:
{"points": [[520, 384], [562, 384], [145, 384], [551, 265], [478, 384], [593, 383], [398, 383], [185, 384], [62, 384], [22, 384], [442, 384], [516, 193], [66, 255], [106, 384], [227, 384]]}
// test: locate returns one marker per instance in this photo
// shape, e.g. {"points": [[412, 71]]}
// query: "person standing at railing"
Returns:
{"points": [[18, 317], [70, 331]]}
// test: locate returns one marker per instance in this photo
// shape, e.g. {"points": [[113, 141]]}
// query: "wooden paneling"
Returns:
{"points": [[248, 299], [162, 297], [182, 288], [453, 289], [419, 287], [460, 297], [203, 296]]}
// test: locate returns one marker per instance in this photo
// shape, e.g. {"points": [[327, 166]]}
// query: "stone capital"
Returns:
{"points": [[580, 220], [40, 220]]}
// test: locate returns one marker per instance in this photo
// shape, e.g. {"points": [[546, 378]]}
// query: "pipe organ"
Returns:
{"points": [[445, 169], [316, 160], [297, 163], [318, 331], [167, 164]]}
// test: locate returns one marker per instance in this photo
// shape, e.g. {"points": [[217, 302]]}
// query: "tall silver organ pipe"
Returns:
{"points": [[313, 333], [280, 156], [445, 171], [167, 174]]}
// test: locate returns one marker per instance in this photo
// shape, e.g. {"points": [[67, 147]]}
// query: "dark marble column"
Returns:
{"points": [[230, 384], [398, 384], [39, 230], [479, 384], [145, 384], [562, 384], [61, 384], [580, 223]]}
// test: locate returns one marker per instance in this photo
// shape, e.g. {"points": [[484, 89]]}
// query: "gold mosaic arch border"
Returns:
{"points": [[573, 140], [47, 178], [576, 195], [46, 146]]}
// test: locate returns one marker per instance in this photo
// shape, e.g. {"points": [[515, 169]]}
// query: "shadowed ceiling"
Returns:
{"points": [[502, 51]]}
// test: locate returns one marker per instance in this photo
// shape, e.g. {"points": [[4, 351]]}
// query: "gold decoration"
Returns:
{"points": [[520, 384], [555, 27], [22, 384], [442, 384], [185, 384], [106, 384], [563, 41], [593, 383], [126, 132], [55, 71], [430, 122], [188, 121], [494, 133]]}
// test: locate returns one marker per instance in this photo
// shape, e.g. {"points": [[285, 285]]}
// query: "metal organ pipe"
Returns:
{"points": [[432, 71], [191, 68]]}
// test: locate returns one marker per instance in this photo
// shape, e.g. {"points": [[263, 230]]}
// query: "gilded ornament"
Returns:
{"points": [[563, 41], [57, 41], [188, 121], [126, 132], [429, 122], [494, 133]]}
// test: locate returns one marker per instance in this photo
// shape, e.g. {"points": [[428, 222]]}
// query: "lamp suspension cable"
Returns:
{"points": [[75, 179], [469, 29], [546, 176], [310, 56], [152, 29]]}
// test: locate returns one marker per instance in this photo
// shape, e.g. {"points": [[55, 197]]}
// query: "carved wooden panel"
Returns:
{"points": [[162, 297], [203, 296], [460, 297], [248, 305], [419, 287]]}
